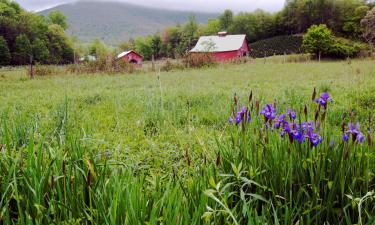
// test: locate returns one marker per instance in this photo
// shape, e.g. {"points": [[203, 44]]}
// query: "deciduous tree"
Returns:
{"points": [[318, 40], [4, 52]]}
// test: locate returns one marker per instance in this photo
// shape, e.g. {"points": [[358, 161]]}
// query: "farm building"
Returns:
{"points": [[130, 56], [223, 46]]}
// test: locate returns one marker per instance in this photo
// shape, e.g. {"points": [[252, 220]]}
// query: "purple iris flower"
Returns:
{"points": [[357, 135], [295, 132], [279, 121], [298, 133], [323, 99], [230, 120], [292, 115], [345, 137], [240, 115], [314, 138], [269, 112]]}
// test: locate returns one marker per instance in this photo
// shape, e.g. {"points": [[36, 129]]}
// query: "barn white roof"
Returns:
{"points": [[219, 43], [122, 54]]}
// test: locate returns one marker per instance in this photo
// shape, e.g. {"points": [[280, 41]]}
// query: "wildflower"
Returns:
{"points": [[242, 115], [292, 115], [230, 120], [279, 121], [345, 137], [314, 138], [269, 112], [357, 136], [295, 132], [332, 143], [323, 99], [298, 133]]}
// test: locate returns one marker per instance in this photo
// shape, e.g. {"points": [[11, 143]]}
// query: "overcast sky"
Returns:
{"points": [[189, 5]]}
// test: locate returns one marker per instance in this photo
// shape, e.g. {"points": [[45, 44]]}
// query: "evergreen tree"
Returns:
{"points": [[4, 52]]}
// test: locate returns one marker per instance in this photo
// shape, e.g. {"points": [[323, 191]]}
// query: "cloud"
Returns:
{"points": [[190, 5]]}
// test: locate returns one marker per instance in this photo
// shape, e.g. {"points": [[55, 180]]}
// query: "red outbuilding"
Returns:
{"points": [[223, 46], [130, 57]]}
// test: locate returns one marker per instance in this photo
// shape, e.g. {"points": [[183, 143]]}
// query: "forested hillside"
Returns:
{"points": [[25, 36], [113, 22]]}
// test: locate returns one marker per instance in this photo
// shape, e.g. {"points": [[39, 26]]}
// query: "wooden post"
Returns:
{"points": [[31, 67], [153, 63], [265, 55]]}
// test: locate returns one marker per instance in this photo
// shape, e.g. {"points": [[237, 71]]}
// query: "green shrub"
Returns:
{"points": [[343, 48]]}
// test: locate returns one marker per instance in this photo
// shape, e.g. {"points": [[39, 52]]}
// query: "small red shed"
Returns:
{"points": [[223, 46], [131, 57]]}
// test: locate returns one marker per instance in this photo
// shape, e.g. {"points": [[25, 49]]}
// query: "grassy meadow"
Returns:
{"points": [[154, 148]]}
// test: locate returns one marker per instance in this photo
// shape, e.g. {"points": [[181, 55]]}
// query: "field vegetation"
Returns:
{"points": [[164, 148]]}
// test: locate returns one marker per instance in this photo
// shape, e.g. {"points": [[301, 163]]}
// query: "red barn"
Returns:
{"points": [[223, 46], [131, 57]]}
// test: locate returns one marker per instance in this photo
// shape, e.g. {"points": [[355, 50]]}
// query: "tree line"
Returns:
{"points": [[27, 37], [343, 17]]}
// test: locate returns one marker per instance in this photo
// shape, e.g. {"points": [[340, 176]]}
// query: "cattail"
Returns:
{"points": [[313, 95], [251, 96], [305, 111], [351, 115], [187, 158], [274, 103], [343, 126], [89, 178], [369, 139], [52, 182], [257, 103], [317, 115], [324, 115], [64, 167], [235, 98], [260, 133], [369, 119], [218, 159]]}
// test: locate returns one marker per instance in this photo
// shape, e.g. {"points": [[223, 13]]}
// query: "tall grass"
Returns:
{"points": [[142, 150]]}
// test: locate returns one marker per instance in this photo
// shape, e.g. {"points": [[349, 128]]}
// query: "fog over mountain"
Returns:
{"points": [[191, 5], [113, 22]]}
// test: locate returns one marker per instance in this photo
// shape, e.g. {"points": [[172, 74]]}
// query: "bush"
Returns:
{"points": [[104, 66], [198, 60], [343, 48], [48, 70], [276, 46]]}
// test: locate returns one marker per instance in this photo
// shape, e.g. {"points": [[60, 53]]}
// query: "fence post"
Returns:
{"points": [[31, 72], [265, 55], [153, 63]]}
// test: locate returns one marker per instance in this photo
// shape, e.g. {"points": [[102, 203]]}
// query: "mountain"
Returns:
{"points": [[113, 22]]}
